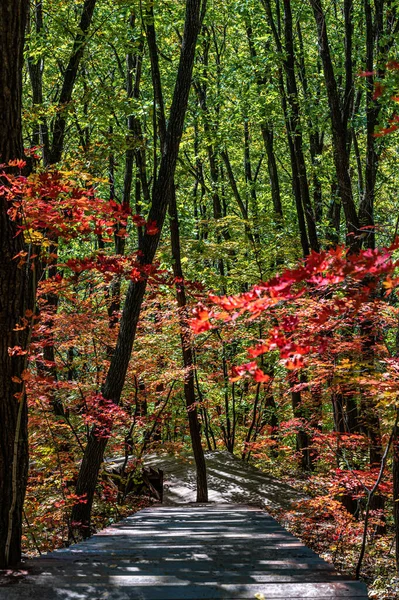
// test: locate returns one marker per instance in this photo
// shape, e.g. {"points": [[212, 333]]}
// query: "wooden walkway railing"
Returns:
{"points": [[194, 552]]}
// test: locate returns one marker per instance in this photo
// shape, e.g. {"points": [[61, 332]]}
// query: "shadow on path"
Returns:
{"points": [[180, 550], [196, 552], [229, 480]]}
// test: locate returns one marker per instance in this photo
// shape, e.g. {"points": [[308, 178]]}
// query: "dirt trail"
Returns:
{"points": [[230, 480]]}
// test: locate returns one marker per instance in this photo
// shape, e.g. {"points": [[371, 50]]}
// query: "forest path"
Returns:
{"points": [[193, 551], [196, 552], [230, 480]]}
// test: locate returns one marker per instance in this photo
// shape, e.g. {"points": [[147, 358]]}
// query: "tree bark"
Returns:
{"points": [[185, 332], [295, 126], [13, 295], [35, 66], [187, 351], [268, 137], [339, 130], [268, 140], [395, 475], [296, 188]]}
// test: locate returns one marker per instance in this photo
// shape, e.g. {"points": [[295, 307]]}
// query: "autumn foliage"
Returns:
{"points": [[300, 352]]}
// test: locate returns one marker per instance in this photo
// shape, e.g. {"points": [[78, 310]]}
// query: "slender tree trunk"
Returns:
{"points": [[302, 437], [249, 179], [114, 383], [188, 358], [36, 66], [13, 295], [268, 140], [369, 419], [268, 136], [71, 72], [295, 127], [377, 49], [246, 448], [315, 136], [395, 475], [300, 411], [339, 119], [290, 127], [185, 334]]}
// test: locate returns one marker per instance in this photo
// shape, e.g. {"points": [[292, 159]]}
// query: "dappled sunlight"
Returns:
{"points": [[192, 552], [229, 480]]}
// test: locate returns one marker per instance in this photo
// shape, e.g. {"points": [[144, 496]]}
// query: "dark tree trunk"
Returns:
{"points": [[290, 126], [339, 120], [268, 137], [338, 412], [188, 358], [40, 135], [71, 73], [366, 209], [13, 295], [250, 179], [295, 126], [345, 409], [316, 138], [114, 383], [301, 411], [369, 419], [248, 438], [296, 191], [378, 43], [302, 437], [268, 140], [395, 474], [185, 332]]}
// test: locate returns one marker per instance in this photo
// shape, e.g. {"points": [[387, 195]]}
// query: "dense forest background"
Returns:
{"points": [[175, 150]]}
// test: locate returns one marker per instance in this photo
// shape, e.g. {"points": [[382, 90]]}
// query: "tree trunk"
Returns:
{"points": [[188, 358], [339, 129], [35, 66], [13, 295], [395, 474], [290, 127], [268, 140], [71, 73], [300, 411], [114, 383], [295, 127], [268, 136], [369, 419]]}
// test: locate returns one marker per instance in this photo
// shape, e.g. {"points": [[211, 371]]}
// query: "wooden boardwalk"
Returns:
{"points": [[194, 552]]}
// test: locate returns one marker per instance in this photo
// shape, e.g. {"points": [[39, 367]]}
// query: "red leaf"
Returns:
{"points": [[151, 228], [260, 376], [366, 73], [378, 90]]}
